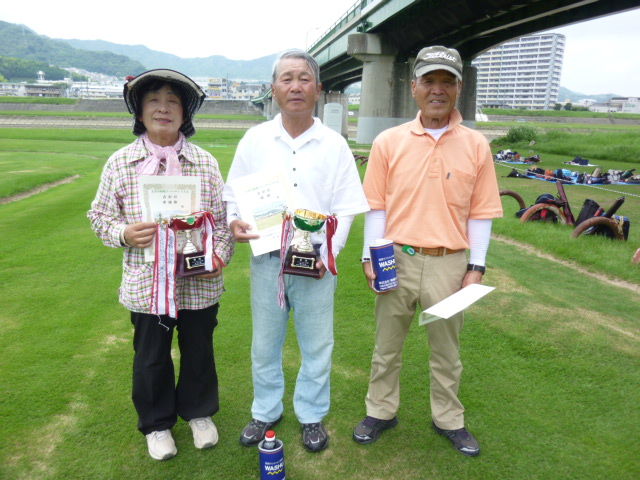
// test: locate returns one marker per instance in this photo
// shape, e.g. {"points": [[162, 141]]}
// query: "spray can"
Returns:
{"points": [[271, 457], [383, 262]]}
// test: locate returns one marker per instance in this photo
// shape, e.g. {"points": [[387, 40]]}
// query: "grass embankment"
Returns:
{"points": [[517, 112], [89, 115], [548, 356], [616, 151], [43, 100]]}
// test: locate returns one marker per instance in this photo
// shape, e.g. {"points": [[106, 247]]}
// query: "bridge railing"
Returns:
{"points": [[351, 13]]}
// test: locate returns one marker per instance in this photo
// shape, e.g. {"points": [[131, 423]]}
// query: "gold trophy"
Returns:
{"points": [[302, 257]]}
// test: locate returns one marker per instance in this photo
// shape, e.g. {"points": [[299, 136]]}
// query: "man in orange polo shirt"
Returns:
{"points": [[432, 189]]}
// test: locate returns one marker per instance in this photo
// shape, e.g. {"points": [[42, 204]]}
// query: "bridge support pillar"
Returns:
{"points": [[467, 100], [385, 97]]}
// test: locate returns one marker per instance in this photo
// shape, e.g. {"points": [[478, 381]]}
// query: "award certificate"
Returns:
{"points": [[262, 198], [164, 196], [455, 303]]}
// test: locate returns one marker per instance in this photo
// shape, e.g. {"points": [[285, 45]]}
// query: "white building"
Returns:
{"points": [[521, 73], [618, 105]]}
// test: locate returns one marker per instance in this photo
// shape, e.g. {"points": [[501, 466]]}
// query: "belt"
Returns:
{"points": [[434, 252]]}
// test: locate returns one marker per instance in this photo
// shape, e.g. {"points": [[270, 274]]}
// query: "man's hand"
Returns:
{"points": [[472, 277], [320, 266], [139, 234], [240, 230], [370, 275]]}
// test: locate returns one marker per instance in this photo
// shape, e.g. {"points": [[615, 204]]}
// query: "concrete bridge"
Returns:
{"points": [[375, 42]]}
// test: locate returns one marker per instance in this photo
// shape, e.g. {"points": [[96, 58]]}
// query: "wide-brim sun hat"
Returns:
{"points": [[193, 96]]}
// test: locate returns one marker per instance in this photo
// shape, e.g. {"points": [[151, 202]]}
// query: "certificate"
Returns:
{"points": [[455, 303], [163, 196], [262, 198]]}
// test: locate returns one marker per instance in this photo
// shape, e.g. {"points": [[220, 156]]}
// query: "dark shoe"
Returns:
{"points": [[254, 432], [368, 430], [462, 440], [314, 436]]}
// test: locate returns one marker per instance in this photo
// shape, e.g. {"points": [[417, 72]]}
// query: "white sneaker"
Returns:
{"points": [[205, 433], [161, 445]]}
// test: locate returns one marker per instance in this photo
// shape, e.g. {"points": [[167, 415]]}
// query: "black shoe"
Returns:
{"points": [[314, 436], [368, 430], [254, 432], [462, 440]]}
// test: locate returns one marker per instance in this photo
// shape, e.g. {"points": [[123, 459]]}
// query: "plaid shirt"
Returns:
{"points": [[116, 205]]}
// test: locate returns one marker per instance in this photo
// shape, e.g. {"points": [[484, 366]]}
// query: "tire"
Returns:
{"points": [[540, 208], [516, 196], [603, 223]]}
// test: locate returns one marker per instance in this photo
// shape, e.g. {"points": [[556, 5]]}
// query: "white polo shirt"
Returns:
{"points": [[318, 165]]}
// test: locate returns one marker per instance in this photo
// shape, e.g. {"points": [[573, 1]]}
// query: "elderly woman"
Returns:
{"points": [[163, 103]]}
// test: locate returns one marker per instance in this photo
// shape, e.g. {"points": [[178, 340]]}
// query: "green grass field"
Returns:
{"points": [[552, 364]]}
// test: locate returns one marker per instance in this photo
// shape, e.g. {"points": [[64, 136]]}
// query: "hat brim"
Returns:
{"points": [[171, 76], [165, 74], [433, 67]]}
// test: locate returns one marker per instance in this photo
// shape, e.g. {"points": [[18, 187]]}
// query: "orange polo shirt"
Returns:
{"points": [[428, 188]]}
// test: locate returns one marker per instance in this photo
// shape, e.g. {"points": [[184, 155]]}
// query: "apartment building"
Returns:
{"points": [[521, 73]]}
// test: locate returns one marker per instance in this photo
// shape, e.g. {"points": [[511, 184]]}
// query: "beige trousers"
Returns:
{"points": [[424, 280]]}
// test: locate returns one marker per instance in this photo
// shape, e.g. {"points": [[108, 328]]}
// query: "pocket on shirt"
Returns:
{"points": [[458, 187], [137, 281]]}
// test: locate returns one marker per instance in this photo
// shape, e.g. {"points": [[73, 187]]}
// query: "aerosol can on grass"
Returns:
{"points": [[271, 457]]}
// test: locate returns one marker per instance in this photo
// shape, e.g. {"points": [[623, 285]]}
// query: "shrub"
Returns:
{"points": [[521, 134]]}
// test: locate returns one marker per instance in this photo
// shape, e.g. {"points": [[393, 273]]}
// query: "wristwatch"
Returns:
{"points": [[476, 268]]}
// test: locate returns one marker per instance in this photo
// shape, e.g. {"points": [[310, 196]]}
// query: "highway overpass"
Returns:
{"points": [[375, 42]]}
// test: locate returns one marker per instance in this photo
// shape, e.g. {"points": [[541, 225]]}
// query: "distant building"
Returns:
{"points": [[600, 107], [225, 89], [96, 90], [618, 105], [218, 89], [585, 102], [521, 73]]}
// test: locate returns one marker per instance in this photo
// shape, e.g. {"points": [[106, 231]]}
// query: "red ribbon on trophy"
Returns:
{"points": [[172, 262], [331, 227], [300, 259], [286, 235], [163, 300]]}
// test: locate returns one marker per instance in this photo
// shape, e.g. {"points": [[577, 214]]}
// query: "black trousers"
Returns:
{"points": [[156, 396]]}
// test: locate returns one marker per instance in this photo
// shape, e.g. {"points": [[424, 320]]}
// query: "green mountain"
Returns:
{"points": [[19, 69], [214, 66], [566, 94], [18, 41]]}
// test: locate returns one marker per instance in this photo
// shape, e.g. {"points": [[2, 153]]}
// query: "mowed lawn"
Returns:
{"points": [[552, 357]]}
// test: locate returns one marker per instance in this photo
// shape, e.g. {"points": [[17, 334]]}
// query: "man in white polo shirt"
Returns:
{"points": [[324, 179]]}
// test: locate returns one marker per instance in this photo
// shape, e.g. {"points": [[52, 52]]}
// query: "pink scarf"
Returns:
{"points": [[151, 165]]}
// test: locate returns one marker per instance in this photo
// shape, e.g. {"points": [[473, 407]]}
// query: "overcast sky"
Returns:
{"points": [[602, 55]]}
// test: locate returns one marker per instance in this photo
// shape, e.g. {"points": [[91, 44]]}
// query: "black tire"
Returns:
{"points": [[602, 223], [516, 195], [557, 215]]}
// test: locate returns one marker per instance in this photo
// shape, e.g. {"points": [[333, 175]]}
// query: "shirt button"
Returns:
{"points": [[294, 152], [295, 184], [294, 169]]}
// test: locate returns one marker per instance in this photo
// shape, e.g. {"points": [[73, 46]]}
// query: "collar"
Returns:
{"points": [[139, 152], [455, 119], [314, 132]]}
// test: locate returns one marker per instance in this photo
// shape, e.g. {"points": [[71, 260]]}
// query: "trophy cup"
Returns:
{"points": [[190, 257], [301, 257]]}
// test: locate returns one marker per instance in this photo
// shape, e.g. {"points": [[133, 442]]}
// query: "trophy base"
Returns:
{"points": [[301, 263], [191, 264]]}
